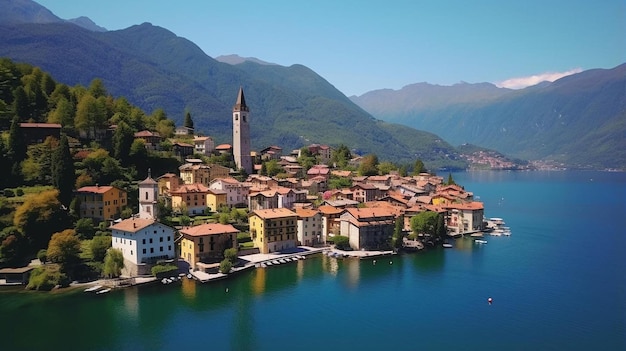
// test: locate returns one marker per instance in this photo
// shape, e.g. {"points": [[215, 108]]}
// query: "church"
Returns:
{"points": [[241, 134]]}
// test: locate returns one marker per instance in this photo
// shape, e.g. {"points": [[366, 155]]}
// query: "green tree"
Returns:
{"points": [[440, 228], [63, 114], [64, 248], [16, 148], [188, 121], [85, 228], [99, 246], [369, 165], [341, 242], [386, 167], [122, 140], [396, 239], [21, 105], [113, 263], [272, 168], [450, 180], [63, 174], [341, 156], [424, 223], [97, 89], [225, 266], [418, 167], [231, 254], [306, 159], [4, 171]]}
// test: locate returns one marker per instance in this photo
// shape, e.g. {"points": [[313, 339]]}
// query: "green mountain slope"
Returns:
{"points": [[153, 68], [578, 120]]}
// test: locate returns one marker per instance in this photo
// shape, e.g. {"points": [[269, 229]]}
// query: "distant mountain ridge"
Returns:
{"points": [[579, 120], [27, 11], [234, 59], [154, 68]]}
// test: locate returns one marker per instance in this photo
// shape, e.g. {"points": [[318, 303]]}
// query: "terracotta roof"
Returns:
{"points": [[146, 133], [133, 225], [98, 189], [190, 188], [168, 175], [305, 212], [475, 205], [209, 229], [327, 209], [223, 147], [369, 213], [273, 213]]}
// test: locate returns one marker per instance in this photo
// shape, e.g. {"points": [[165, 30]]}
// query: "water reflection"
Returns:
{"points": [[189, 287], [131, 303], [258, 281]]}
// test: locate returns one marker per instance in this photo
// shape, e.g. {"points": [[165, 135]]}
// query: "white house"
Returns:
{"points": [[236, 192], [142, 239], [309, 227], [203, 145]]}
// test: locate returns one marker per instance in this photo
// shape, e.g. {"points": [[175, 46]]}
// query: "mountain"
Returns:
{"points": [[27, 11], [236, 59], [579, 120], [153, 68]]}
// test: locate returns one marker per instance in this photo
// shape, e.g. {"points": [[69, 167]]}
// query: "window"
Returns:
{"points": [[144, 251], [143, 242], [152, 250], [168, 238], [169, 247], [161, 248], [131, 252], [161, 239], [146, 195], [150, 240]]}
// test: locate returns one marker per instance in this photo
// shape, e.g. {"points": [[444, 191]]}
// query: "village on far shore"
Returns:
{"points": [[288, 218]]}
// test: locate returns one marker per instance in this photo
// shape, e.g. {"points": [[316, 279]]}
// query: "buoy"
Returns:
{"points": [[490, 300], [227, 291], [374, 261], [390, 262]]}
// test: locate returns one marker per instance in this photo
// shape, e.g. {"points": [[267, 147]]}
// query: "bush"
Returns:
{"points": [[231, 255], [226, 266], [45, 278], [42, 255], [9, 193], [342, 242], [164, 270], [19, 192]]}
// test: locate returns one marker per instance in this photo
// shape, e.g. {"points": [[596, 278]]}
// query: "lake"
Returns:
{"points": [[557, 283]]}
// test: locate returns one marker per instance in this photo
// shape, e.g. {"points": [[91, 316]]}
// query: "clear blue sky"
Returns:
{"points": [[360, 45]]}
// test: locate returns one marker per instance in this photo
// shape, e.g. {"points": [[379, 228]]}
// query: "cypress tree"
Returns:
{"points": [[63, 175], [188, 121]]}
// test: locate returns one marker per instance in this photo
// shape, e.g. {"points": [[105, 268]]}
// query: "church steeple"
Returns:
{"points": [[240, 105]]}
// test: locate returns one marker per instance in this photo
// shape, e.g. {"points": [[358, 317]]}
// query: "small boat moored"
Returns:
{"points": [[446, 245]]}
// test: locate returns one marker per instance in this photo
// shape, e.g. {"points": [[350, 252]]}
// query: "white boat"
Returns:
{"points": [[478, 241], [93, 288], [446, 245], [103, 291]]}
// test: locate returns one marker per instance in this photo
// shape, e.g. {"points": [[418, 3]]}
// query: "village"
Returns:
{"points": [[288, 217]]}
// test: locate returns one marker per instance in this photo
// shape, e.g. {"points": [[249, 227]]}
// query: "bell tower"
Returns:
{"points": [[241, 134], [148, 196]]}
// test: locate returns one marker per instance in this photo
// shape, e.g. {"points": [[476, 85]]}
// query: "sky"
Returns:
{"points": [[364, 45]]}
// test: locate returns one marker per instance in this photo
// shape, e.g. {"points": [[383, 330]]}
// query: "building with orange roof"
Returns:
{"points": [[203, 145], [190, 199], [191, 173], [167, 182], [236, 191], [273, 230], [465, 217], [368, 228], [309, 227], [35, 133], [101, 202], [152, 139], [330, 220], [205, 243]]}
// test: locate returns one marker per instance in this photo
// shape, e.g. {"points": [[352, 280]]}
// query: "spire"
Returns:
{"points": [[240, 105]]}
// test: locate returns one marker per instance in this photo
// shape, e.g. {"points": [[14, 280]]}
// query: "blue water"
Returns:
{"points": [[558, 283]]}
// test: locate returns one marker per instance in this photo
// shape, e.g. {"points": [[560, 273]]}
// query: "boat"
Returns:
{"points": [[446, 245], [478, 241], [103, 291], [189, 276], [93, 288]]}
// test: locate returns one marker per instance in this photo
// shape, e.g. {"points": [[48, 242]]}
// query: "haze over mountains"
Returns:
{"points": [[293, 106], [579, 119]]}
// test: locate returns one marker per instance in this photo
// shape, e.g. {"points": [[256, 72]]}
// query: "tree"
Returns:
{"points": [[84, 228], [418, 167], [386, 167], [188, 121], [39, 217], [306, 159], [272, 168], [99, 246], [341, 242], [424, 223], [63, 175], [16, 145], [225, 266], [341, 156], [396, 239], [440, 228], [97, 89], [113, 263], [369, 165], [231, 254], [64, 248], [450, 180], [21, 103], [123, 138]]}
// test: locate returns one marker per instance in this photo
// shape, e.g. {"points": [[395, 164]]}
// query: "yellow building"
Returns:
{"points": [[203, 245], [101, 202], [191, 173], [190, 199], [215, 199], [273, 229]]}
